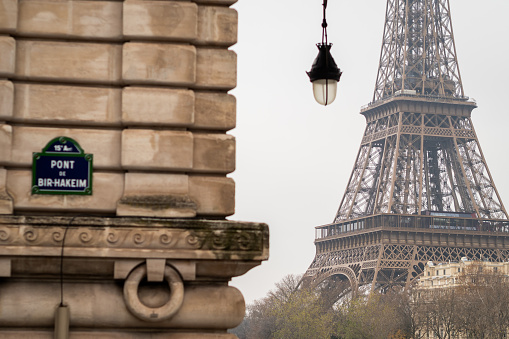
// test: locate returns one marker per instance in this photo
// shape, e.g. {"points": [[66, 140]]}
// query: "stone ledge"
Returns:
{"points": [[133, 238]]}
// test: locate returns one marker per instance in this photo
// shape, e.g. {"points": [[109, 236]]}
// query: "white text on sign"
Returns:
{"points": [[62, 164]]}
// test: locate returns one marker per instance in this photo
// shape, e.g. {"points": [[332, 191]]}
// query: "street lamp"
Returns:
{"points": [[324, 72]]}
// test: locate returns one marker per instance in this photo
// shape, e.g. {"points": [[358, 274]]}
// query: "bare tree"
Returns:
{"points": [[374, 316], [474, 305], [287, 312], [439, 312], [484, 302], [304, 316]]}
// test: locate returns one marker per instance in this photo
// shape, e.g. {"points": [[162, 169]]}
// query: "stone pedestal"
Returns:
{"points": [[142, 87], [125, 277]]}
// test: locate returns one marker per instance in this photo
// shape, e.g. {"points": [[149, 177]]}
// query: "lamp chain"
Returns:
{"points": [[324, 24]]}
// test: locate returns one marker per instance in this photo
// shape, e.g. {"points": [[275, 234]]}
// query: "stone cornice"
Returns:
{"points": [[133, 238]]}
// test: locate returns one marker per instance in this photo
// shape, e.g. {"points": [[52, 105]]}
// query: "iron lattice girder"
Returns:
{"points": [[418, 51], [419, 154], [387, 250]]}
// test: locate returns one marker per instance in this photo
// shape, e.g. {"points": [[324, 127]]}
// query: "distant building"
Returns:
{"points": [[446, 274], [441, 281]]}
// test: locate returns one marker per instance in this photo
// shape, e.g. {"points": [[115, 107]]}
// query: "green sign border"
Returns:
{"points": [[88, 157]]}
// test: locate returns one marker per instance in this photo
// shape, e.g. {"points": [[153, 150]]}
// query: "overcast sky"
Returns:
{"points": [[294, 157]]}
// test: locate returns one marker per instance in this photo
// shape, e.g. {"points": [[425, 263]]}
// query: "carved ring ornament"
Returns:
{"points": [[153, 314]]}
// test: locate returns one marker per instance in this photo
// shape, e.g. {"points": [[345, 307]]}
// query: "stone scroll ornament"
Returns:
{"points": [[62, 168], [153, 314]]}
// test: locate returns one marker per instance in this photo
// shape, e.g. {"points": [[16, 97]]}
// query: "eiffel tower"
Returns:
{"points": [[420, 189]]}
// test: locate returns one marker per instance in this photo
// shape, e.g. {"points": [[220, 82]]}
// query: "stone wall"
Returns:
{"points": [[141, 85]]}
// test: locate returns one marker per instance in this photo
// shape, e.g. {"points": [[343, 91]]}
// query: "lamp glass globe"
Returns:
{"points": [[325, 91]]}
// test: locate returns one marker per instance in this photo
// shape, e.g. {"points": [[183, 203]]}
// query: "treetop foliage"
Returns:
{"points": [[477, 306]]}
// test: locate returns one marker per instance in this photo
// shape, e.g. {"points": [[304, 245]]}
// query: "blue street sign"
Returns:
{"points": [[62, 168]]}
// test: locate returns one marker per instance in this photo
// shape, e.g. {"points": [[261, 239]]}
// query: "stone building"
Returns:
{"points": [[114, 163], [462, 300], [447, 274]]}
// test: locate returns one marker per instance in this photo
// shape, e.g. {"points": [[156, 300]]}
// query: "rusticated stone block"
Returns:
{"points": [[107, 190], [157, 150], [216, 69], [217, 26], [215, 196], [150, 63], [215, 111], [67, 104], [7, 56], [8, 15], [6, 205], [173, 20], [5, 267], [6, 99], [215, 306], [156, 194], [103, 144], [214, 153], [82, 19], [216, 2], [155, 184], [66, 61], [6, 142], [157, 106]]}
